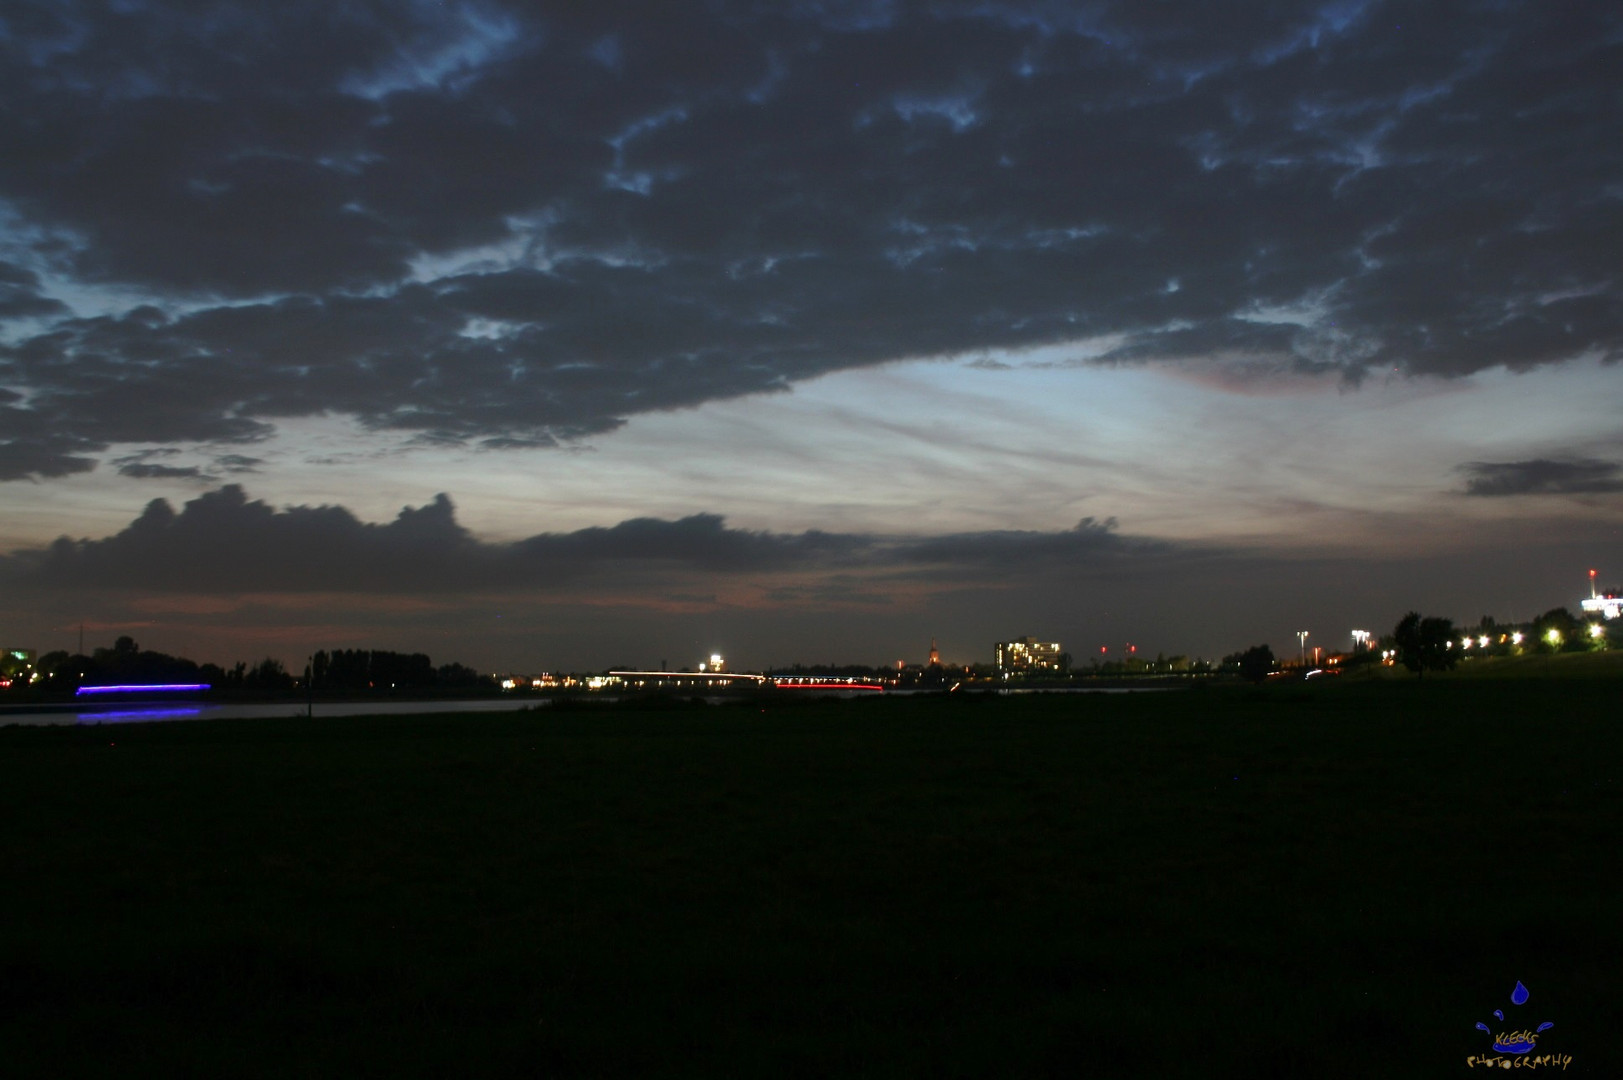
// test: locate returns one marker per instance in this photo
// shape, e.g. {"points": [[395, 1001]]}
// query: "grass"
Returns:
{"points": [[1535, 665], [1576, 665], [1319, 880]]}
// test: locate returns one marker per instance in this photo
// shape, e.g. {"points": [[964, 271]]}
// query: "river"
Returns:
{"points": [[139, 712]]}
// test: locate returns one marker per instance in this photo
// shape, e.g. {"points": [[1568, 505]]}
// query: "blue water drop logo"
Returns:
{"points": [[1515, 1042]]}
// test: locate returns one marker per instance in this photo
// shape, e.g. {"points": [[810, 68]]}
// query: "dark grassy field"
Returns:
{"points": [[1298, 881]]}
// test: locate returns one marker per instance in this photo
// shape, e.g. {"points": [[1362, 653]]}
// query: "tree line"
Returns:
{"points": [[340, 671], [1423, 643]]}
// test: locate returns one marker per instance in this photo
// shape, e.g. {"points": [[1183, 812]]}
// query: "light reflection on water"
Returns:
{"points": [[133, 713], [138, 715], [149, 712]]}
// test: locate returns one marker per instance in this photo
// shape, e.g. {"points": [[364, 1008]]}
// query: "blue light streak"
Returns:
{"points": [[130, 689]]}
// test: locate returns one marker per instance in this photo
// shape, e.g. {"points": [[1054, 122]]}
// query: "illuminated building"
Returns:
{"points": [[1607, 607], [17, 664], [935, 654], [1608, 604], [1027, 654]]}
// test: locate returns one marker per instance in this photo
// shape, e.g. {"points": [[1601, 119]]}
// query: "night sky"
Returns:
{"points": [[808, 331]]}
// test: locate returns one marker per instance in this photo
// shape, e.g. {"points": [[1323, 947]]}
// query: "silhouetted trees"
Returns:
{"points": [[341, 671], [59, 670], [1571, 634], [125, 663], [375, 669], [268, 677], [1425, 643], [461, 675], [1255, 664]]}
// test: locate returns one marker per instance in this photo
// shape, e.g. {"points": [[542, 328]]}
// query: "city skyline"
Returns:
{"points": [[802, 332]]}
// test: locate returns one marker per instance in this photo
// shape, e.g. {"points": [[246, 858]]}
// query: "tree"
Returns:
{"points": [[1559, 630], [1256, 663], [1425, 643], [459, 675], [268, 676]]}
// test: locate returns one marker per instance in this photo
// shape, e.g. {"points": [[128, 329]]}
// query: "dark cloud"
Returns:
{"points": [[144, 471], [20, 296], [1021, 551], [32, 446], [1543, 476], [41, 457], [225, 542], [141, 466], [701, 541], [503, 226]]}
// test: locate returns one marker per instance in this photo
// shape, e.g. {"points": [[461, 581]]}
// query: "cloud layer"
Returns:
{"points": [[223, 542], [227, 577], [1543, 476], [481, 223]]}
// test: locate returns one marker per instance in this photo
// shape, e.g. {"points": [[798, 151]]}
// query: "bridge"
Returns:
{"points": [[715, 679]]}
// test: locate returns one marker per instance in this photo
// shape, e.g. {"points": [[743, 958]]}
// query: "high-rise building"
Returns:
{"points": [[1027, 654]]}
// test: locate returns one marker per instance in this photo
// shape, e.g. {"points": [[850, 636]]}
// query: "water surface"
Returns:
{"points": [[140, 712]]}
